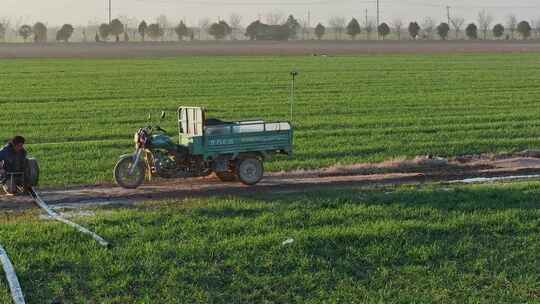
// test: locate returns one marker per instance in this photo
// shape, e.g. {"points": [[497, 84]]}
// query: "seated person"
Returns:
{"points": [[14, 161]]}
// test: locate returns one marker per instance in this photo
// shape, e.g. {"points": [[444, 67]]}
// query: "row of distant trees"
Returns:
{"points": [[155, 31], [353, 29], [291, 28], [39, 32]]}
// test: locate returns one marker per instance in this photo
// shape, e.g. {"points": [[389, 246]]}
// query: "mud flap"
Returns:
{"points": [[221, 164]]}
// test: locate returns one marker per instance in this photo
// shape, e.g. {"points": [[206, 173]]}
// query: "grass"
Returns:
{"points": [[462, 244], [80, 115]]}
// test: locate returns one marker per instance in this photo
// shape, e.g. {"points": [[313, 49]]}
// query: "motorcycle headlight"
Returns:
{"points": [[141, 139]]}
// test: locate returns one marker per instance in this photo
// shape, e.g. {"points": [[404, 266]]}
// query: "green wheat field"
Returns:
{"points": [[473, 244], [80, 115], [407, 244]]}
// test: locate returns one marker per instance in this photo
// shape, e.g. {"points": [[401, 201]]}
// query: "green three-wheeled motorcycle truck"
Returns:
{"points": [[231, 150]]}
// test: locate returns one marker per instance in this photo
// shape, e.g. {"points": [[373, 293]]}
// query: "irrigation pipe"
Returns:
{"points": [[55, 216], [480, 180], [14, 286]]}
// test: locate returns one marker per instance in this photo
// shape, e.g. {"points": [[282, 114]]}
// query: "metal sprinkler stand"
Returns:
{"points": [[293, 83]]}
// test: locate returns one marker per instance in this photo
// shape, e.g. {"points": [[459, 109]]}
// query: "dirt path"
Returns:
{"points": [[418, 171], [258, 48]]}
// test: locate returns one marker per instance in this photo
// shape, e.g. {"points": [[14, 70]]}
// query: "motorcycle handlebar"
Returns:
{"points": [[160, 129], [157, 128]]}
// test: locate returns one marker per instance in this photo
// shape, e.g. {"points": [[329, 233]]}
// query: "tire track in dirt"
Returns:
{"points": [[415, 172]]}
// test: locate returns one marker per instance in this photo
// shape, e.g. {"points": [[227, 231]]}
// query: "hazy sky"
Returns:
{"points": [[81, 12]]}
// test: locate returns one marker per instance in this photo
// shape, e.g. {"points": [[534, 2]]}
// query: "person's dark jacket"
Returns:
{"points": [[13, 161]]}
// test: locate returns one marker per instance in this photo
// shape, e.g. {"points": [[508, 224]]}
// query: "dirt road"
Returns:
{"points": [[418, 171], [259, 48]]}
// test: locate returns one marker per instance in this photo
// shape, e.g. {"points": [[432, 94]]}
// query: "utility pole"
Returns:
{"points": [[366, 24], [309, 24], [366, 17], [110, 11], [448, 14], [378, 19]]}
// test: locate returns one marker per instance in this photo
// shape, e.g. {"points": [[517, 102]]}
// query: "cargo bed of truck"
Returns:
{"points": [[248, 136], [213, 138]]}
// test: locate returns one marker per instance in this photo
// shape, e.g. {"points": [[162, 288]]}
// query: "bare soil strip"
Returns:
{"points": [[259, 48], [419, 171]]}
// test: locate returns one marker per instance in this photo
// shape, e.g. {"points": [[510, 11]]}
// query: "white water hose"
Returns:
{"points": [[11, 276], [58, 217]]}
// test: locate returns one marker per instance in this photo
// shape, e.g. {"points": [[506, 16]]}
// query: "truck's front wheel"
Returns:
{"points": [[250, 170], [128, 177]]}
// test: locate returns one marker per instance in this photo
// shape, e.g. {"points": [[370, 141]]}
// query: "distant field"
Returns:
{"points": [[474, 244], [260, 48], [80, 115]]}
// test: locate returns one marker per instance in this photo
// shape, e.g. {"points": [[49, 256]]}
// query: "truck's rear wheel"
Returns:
{"points": [[250, 170], [123, 176], [226, 176]]}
